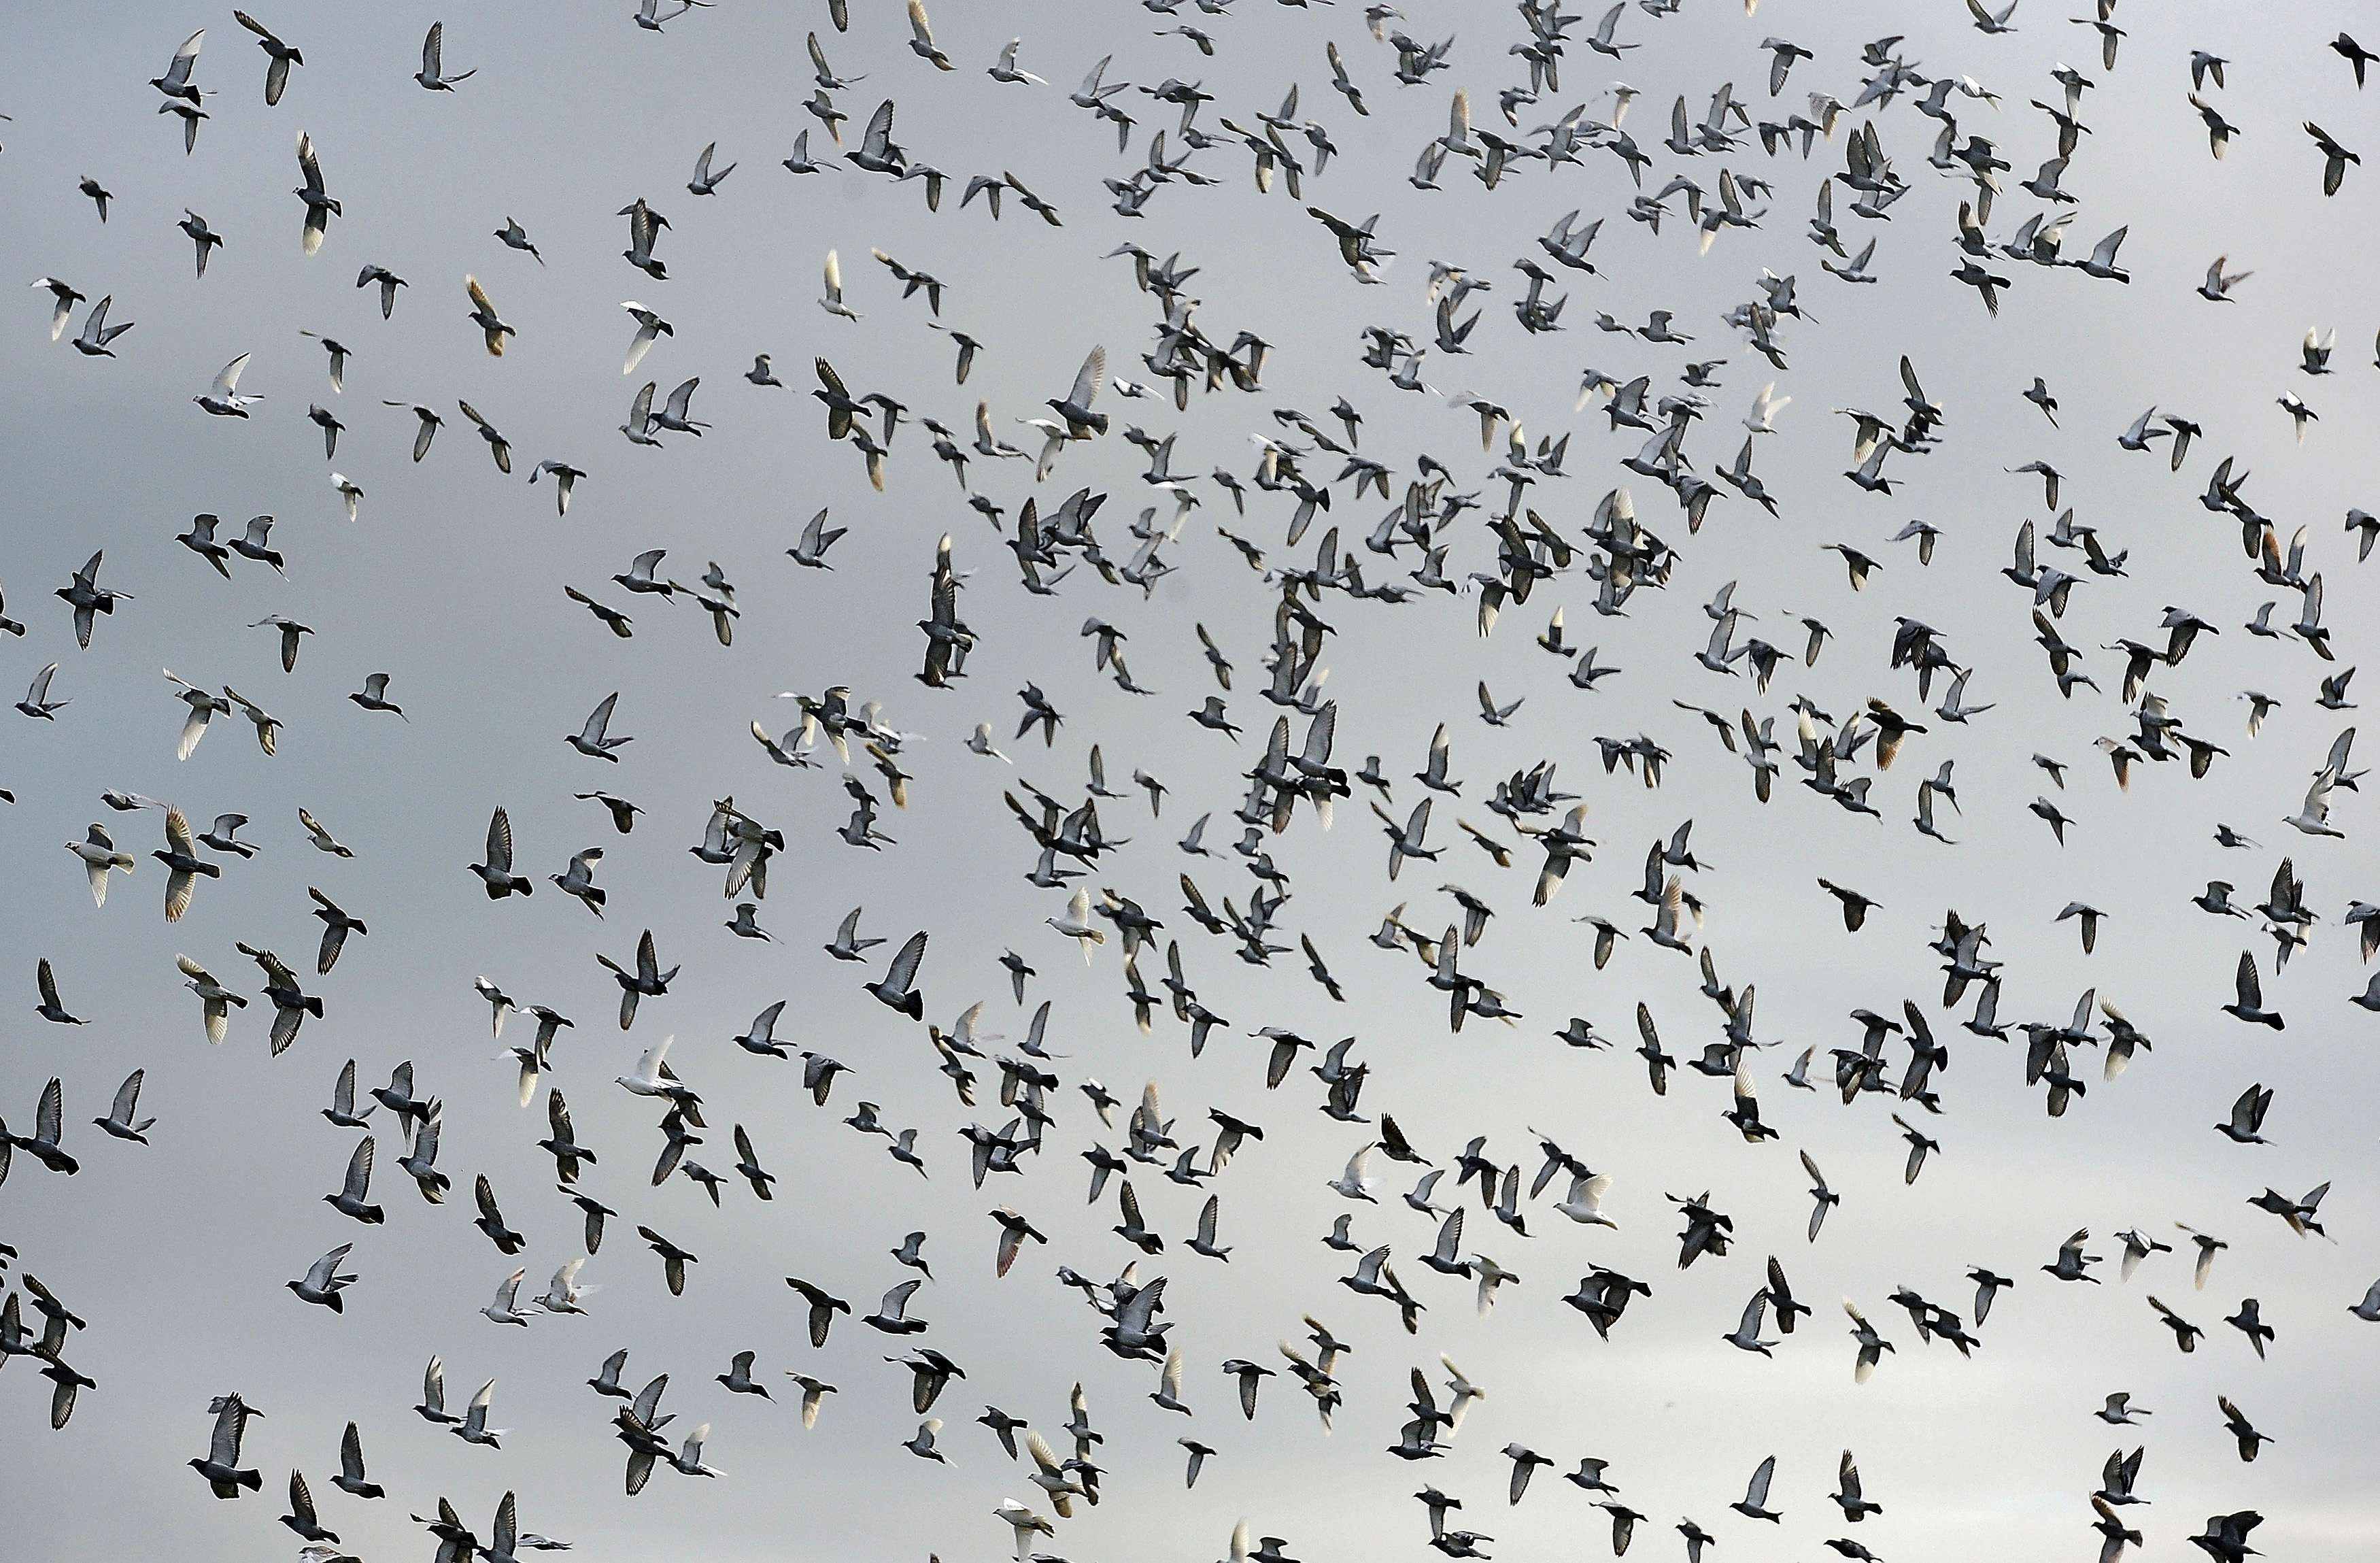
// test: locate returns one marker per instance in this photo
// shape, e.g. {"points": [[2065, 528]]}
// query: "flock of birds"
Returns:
{"points": [[1173, 920]]}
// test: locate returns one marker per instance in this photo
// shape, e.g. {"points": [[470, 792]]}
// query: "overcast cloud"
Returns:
{"points": [[451, 580]]}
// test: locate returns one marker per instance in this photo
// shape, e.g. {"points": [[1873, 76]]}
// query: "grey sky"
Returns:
{"points": [[451, 580]]}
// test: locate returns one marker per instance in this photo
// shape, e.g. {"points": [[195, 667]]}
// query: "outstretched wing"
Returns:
{"points": [[1089, 378], [903, 971]]}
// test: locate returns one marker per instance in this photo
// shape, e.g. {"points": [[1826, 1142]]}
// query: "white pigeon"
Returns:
{"points": [[1352, 1183], [832, 302], [506, 1308], [562, 1293], [1076, 924], [222, 398], [1584, 1205], [1762, 419]]}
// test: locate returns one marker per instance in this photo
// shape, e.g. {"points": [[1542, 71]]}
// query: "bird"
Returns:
{"points": [[351, 1478], [496, 875], [474, 1428], [2249, 1002], [1077, 925], [2217, 286], [513, 236], [322, 1283], [320, 207], [387, 281], [100, 857], [1005, 70], [2245, 1123], [2186, 1335], [2087, 919], [433, 73], [799, 160], [2225, 1537], [831, 300], [120, 1121], [2119, 1410], [493, 331], [373, 696], [63, 297], [1754, 1505], [706, 181], [220, 1467], [2072, 1262], [267, 726], [280, 55], [350, 493], [37, 702], [651, 328], [921, 39], [222, 398], [203, 705], [1746, 1338], [2335, 158], [565, 477], [648, 981], [184, 868], [204, 239], [897, 989], [505, 1309], [591, 740], [291, 634]]}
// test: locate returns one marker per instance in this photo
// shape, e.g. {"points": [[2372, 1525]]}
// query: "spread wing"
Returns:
{"points": [[360, 1168], [127, 1097], [224, 1449], [177, 74], [903, 971], [1089, 378]]}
